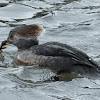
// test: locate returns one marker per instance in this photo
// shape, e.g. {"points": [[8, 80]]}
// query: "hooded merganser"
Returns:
{"points": [[57, 56]]}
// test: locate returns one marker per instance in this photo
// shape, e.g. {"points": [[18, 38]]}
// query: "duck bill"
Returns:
{"points": [[8, 43]]}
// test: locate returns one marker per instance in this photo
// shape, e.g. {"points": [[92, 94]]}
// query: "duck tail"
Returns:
{"points": [[95, 65]]}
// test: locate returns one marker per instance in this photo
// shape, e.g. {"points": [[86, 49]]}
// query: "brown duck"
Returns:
{"points": [[57, 56]]}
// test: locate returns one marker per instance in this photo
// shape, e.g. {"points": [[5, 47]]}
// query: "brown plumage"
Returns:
{"points": [[28, 30], [58, 56]]}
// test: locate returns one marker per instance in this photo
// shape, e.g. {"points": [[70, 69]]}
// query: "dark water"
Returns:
{"points": [[75, 22]]}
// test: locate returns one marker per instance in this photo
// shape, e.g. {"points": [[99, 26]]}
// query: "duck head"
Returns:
{"points": [[24, 36]]}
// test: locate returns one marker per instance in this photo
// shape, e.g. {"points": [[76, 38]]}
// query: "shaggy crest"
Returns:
{"points": [[27, 30]]}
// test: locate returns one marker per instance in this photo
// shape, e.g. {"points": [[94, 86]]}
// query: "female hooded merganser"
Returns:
{"points": [[57, 56]]}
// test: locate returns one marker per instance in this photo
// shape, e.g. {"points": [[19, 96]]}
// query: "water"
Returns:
{"points": [[75, 22]]}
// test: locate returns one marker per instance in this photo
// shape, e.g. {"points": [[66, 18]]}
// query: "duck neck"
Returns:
{"points": [[26, 44]]}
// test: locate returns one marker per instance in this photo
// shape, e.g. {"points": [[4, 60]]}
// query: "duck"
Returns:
{"points": [[57, 56]]}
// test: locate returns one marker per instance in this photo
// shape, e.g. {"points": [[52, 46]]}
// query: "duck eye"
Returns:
{"points": [[11, 36]]}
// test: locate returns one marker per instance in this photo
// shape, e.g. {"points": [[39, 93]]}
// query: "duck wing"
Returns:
{"points": [[55, 49], [80, 54]]}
